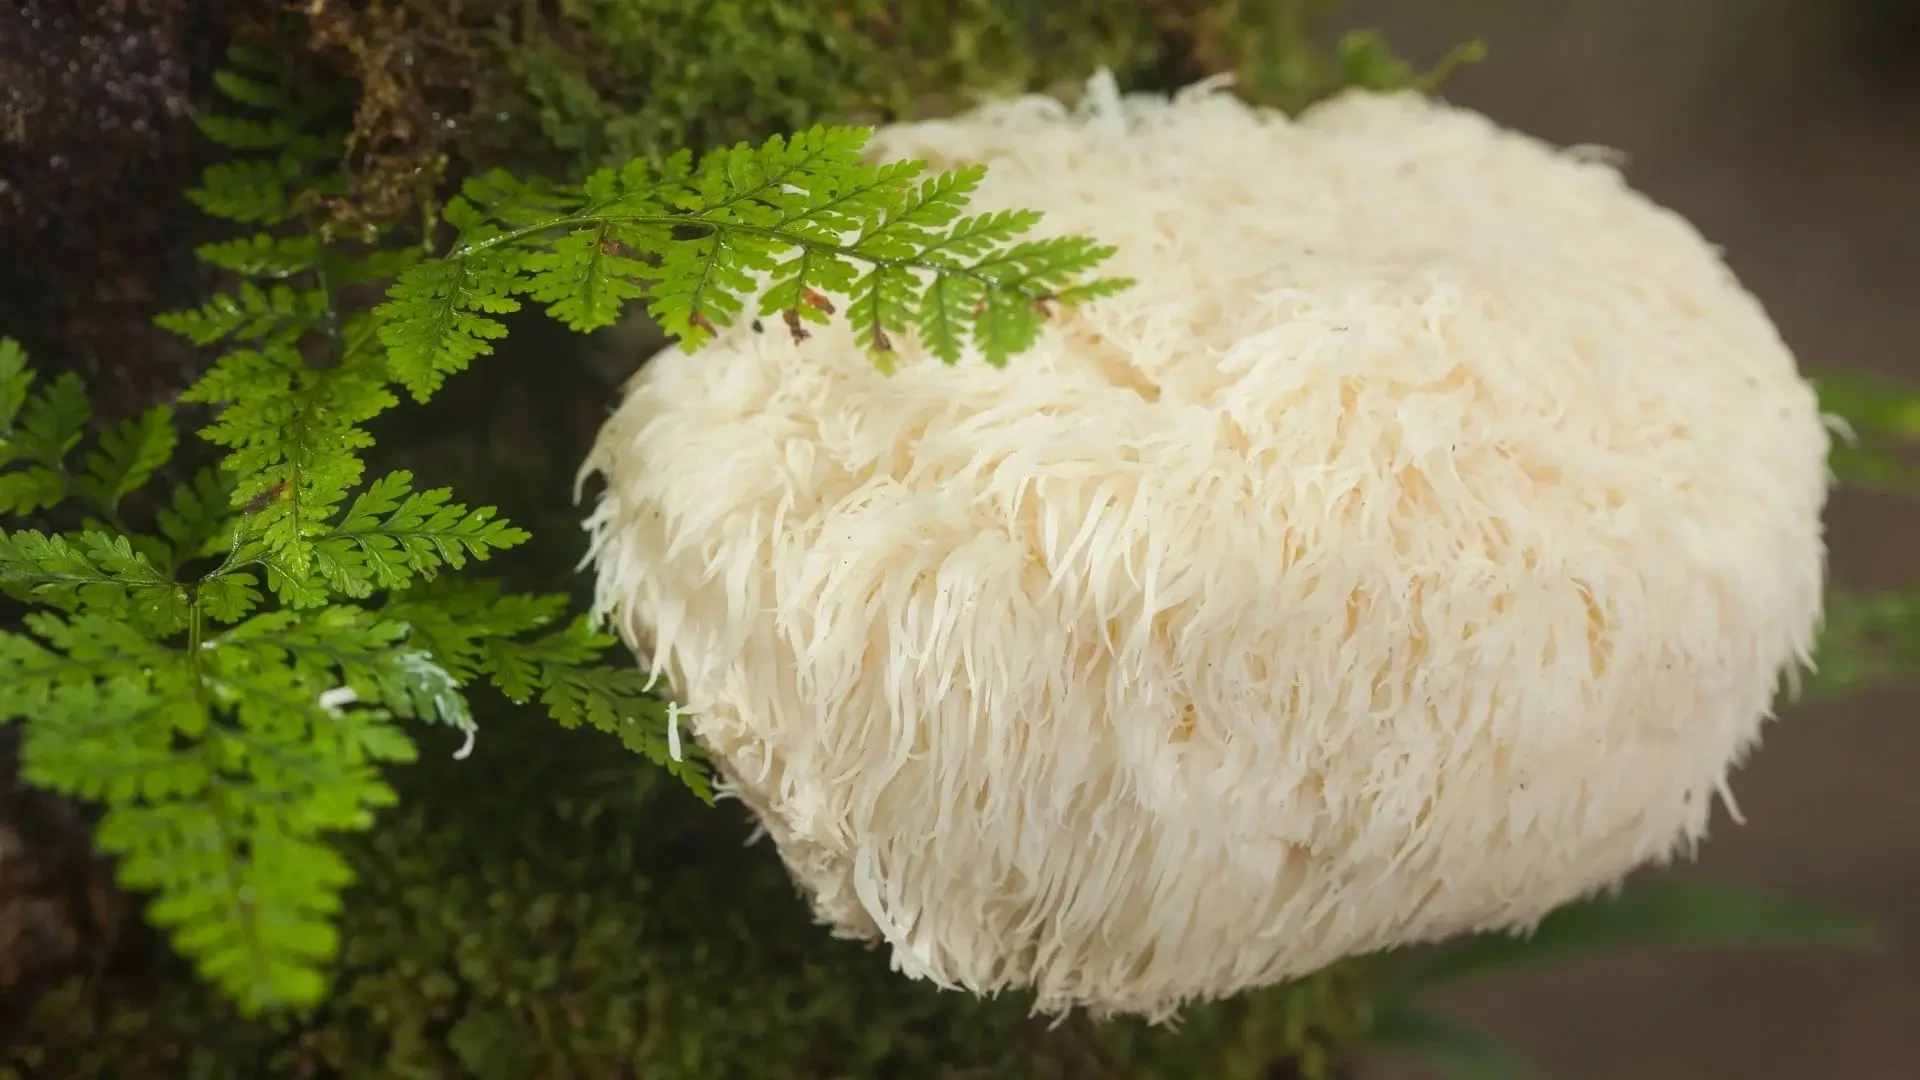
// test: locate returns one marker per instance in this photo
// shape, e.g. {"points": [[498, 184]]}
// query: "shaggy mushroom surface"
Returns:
{"points": [[1414, 548]]}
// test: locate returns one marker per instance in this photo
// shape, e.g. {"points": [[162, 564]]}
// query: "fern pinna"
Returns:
{"points": [[229, 679]]}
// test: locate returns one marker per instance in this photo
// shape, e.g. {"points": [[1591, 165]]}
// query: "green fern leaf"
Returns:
{"points": [[1095, 289], [615, 701], [454, 620], [255, 59], [392, 535], [696, 243], [906, 228], [293, 433], [263, 255], [93, 572], [16, 379], [295, 588], [355, 657], [222, 812], [51, 423], [259, 81], [417, 687], [945, 309], [249, 91], [439, 316], [277, 315], [587, 277], [41, 431], [252, 192], [26, 490], [1024, 277], [228, 596], [700, 281], [765, 183], [497, 201], [950, 303], [473, 630], [846, 197], [128, 455], [219, 820], [199, 519], [560, 668], [380, 265], [236, 133], [113, 740]]}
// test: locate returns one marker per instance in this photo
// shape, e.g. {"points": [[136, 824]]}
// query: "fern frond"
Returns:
{"points": [[454, 620], [239, 133], [37, 431], [294, 433], [228, 596], [478, 632], [199, 519], [26, 490], [438, 317], [258, 81], [51, 423], [799, 216], [700, 282], [278, 314], [128, 455], [561, 669], [496, 202], [216, 821], [251, 191], [380, 265], [223, 768], [349, 647], [587, 277], [248, 90], [263, 255], [16, 379], [92, 572], [392, 535]]}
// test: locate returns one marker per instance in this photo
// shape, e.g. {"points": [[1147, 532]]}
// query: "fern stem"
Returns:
{"points": [[329, 305], [195, 628], [111, 515], [587, 219]]}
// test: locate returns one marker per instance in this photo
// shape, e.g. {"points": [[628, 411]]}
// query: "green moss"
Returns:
{"points": [[561, 86], [605, 80], [613, 79], [550, 910]]}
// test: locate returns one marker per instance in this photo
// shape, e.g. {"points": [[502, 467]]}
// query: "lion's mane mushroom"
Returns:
{"points": [[1413, 549]]}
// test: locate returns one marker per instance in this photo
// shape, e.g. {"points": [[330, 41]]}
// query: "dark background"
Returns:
{"points": [[1789, 131]]}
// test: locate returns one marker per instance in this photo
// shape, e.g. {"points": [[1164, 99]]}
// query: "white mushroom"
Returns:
{"points": [[1413, 549]]}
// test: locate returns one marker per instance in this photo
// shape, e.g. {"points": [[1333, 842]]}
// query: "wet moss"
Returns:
{"points": [[544, 910]]}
